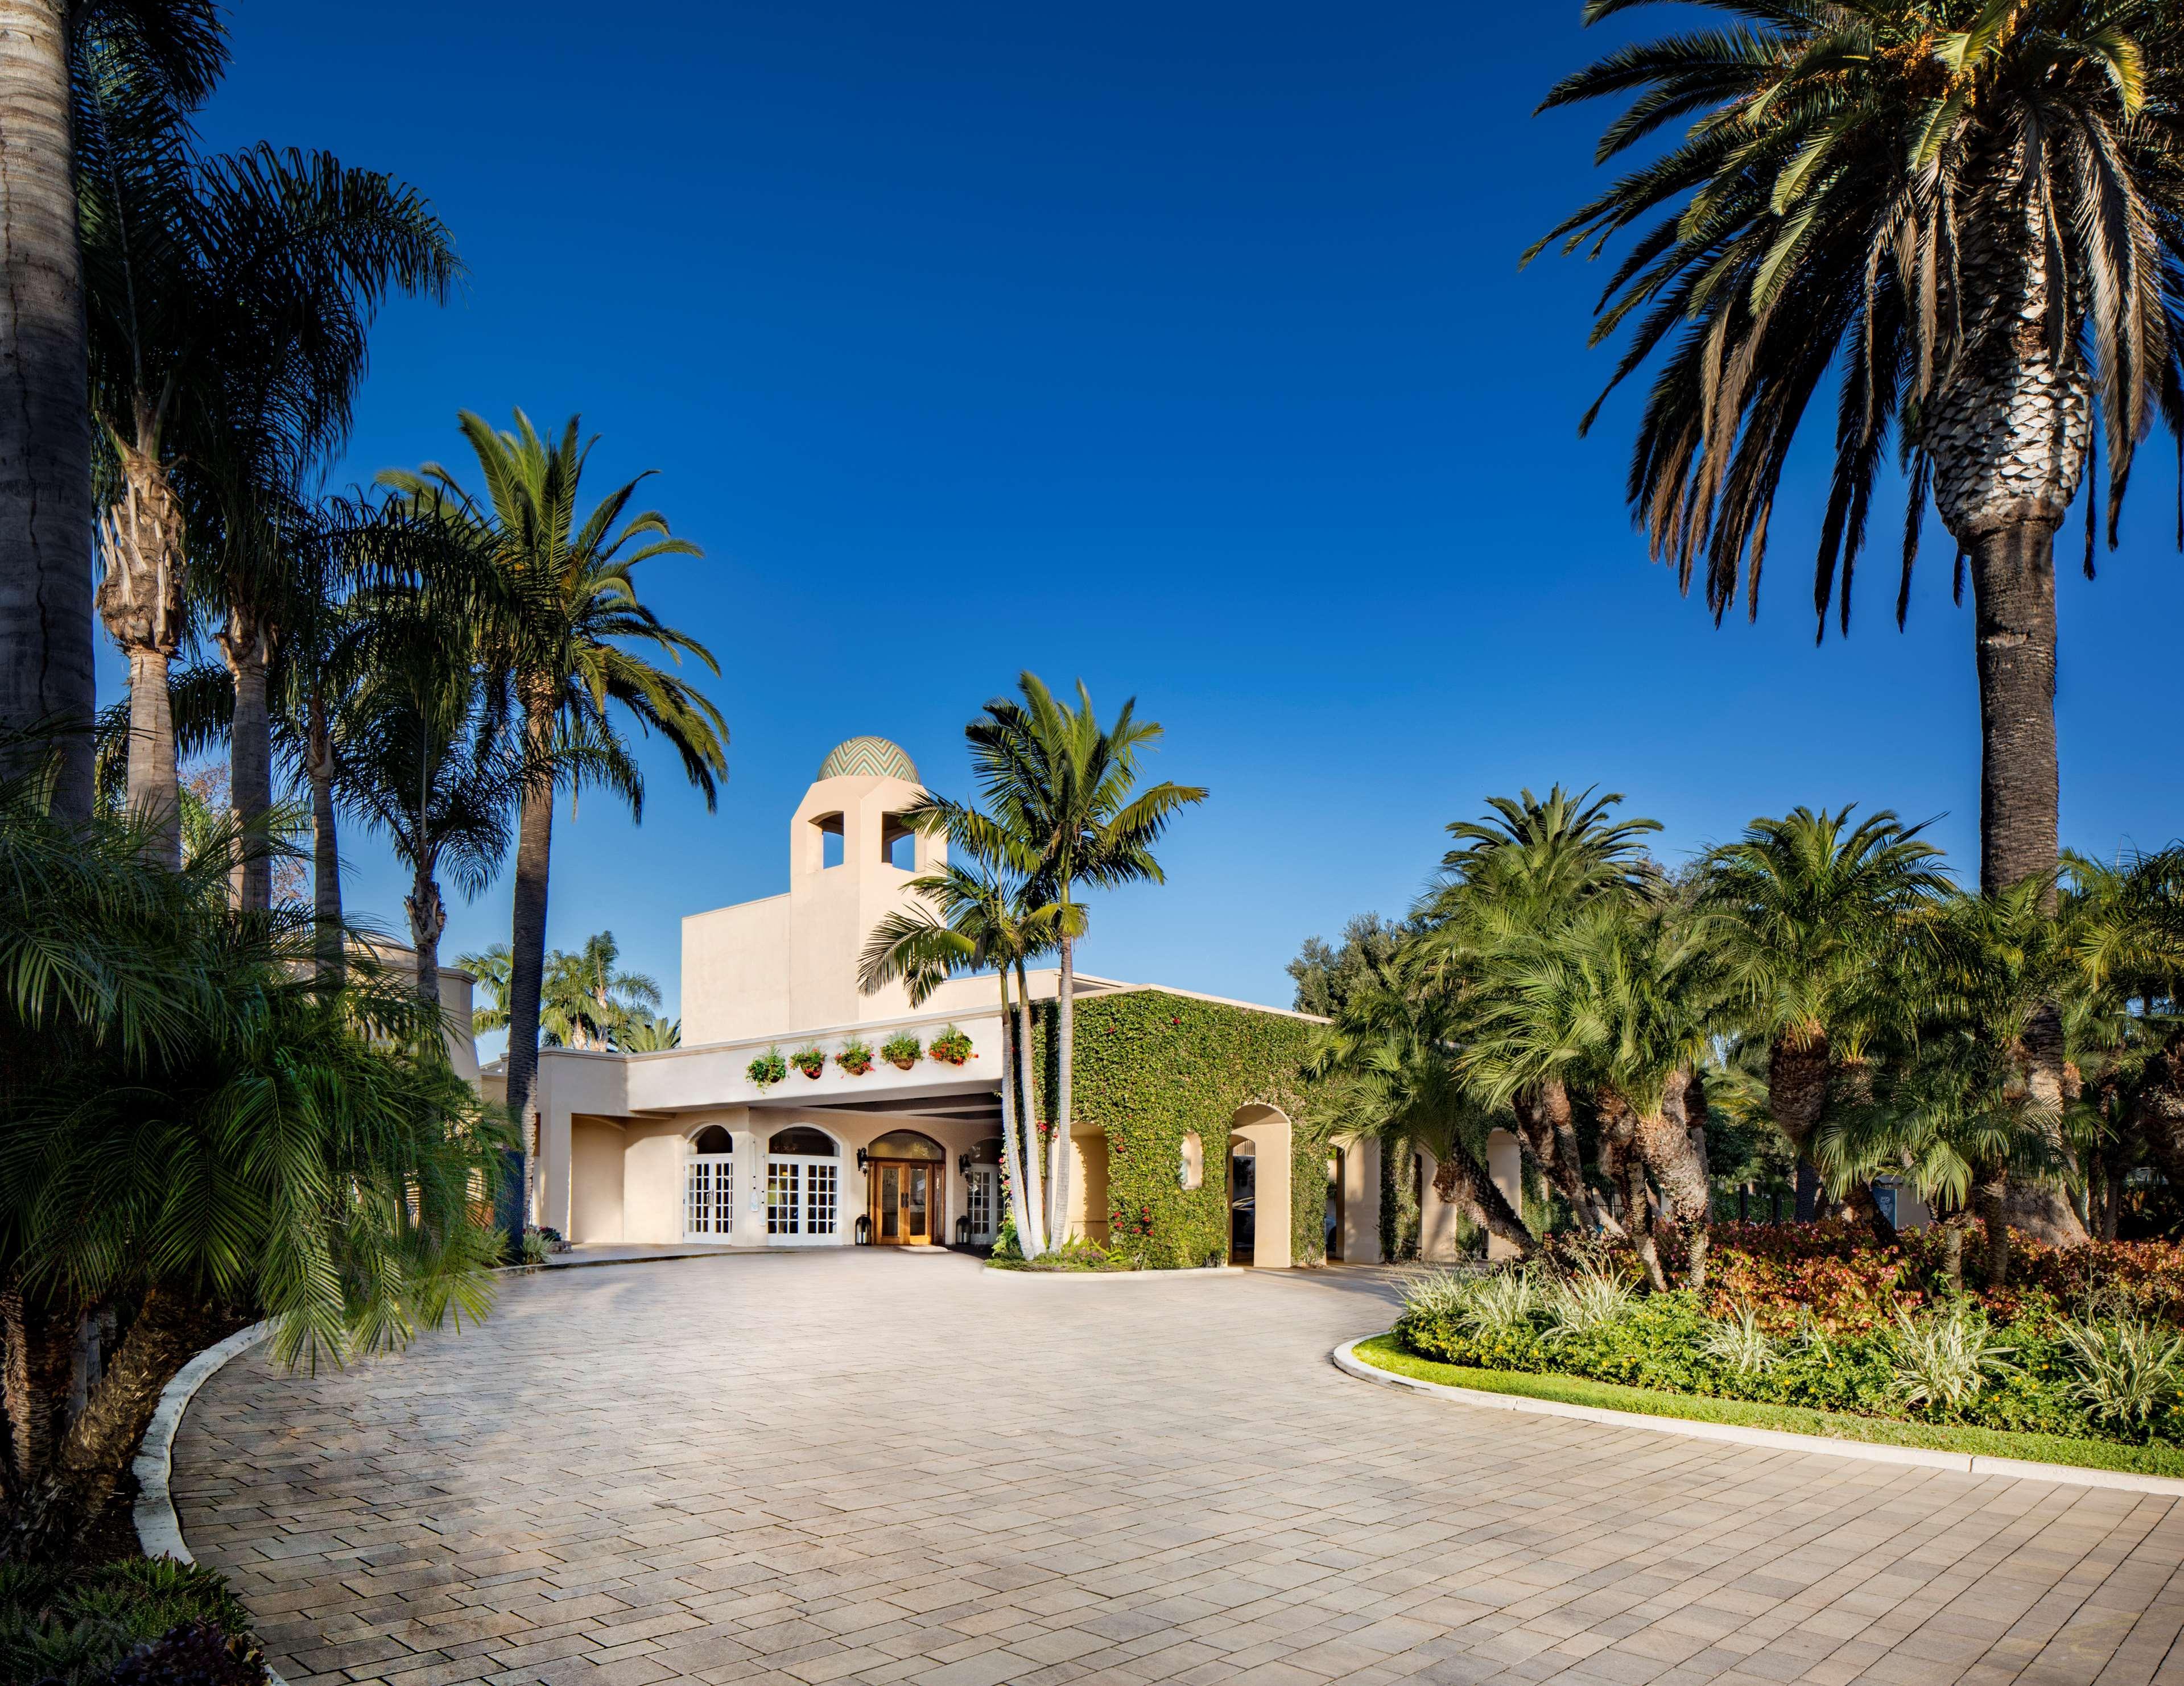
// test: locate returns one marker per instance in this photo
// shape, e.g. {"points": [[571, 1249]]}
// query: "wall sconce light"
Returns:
{"points": [[864, 1159], [963, 1165]]}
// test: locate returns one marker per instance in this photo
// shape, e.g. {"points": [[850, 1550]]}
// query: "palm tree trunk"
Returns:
{"points": [[36, 1341], [1668, 1145], [2013, 569], [140, 599], [1011, 1155], [331, 961], [526, 967], [2007, 430], [46, 675], [428, 917], [250, 750], [1035, 1190], [1549, 1131], [1458, 1177], [88, 1463], [154, 797], [1991, 1198], [1065, 1057], [1797, 1096]]}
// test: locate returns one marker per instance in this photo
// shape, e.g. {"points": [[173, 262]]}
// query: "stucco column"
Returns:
{"points": [[749, 1228], [1361, 1201], [1505, 1166], [555, 1150], [1437, 1242]]}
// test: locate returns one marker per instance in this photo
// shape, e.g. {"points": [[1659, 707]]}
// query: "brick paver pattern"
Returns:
{"points": [[857, 1466]]}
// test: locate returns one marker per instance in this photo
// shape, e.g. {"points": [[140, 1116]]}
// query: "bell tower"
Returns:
{"points": [[851, 858]]}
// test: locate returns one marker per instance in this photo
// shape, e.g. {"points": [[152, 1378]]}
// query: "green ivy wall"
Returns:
{"points": [[1150, 1069]]}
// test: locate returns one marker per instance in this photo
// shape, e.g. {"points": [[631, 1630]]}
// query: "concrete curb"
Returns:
{"points": [[1345, 1358], [1122, 1275], [158, 1529]]}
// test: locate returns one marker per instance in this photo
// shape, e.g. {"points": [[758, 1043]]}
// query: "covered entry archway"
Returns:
{"points": [[906, 1202], [1259, 1147]]}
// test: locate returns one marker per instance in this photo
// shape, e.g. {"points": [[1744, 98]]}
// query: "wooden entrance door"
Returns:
{"points": [[902, 1203]]}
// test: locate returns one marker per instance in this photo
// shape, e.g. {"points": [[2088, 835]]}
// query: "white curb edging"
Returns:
{"points": [[1345, 1358], [1123, 1276], [158, 1529]]}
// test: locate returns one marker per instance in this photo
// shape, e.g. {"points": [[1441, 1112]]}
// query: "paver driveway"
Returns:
{"points": [[857, 1466]]}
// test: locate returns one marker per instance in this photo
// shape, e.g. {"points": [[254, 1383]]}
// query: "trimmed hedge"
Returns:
{"points": [[1152, 1068]]}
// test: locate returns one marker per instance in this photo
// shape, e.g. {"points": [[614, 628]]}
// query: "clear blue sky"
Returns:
{"points": [[1181, 348]]}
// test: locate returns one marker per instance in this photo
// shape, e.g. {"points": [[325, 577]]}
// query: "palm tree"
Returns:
{"points": [[1525, 869], [195, 1126], [1954, 1112], [491, 971], [229, 300], [177, 48], [972, 918], [1815, 912], [1972, 209], [1391, 1053], [1622, 1000], [1058, 791], [565, 629], [608, 999], [648, 1033]]}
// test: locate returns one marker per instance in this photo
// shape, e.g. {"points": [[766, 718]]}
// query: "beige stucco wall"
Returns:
{"points": [[1089, 1219], [764, 968], [595, 1199]]}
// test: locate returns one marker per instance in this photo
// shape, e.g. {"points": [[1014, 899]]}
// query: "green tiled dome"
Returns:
{"points": [[868, 757]]}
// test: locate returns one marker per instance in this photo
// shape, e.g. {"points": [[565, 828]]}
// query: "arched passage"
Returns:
{"points": [[1259, 1141]]}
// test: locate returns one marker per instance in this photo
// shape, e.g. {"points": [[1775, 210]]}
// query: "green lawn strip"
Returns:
{"points": [[1384, 1353]]}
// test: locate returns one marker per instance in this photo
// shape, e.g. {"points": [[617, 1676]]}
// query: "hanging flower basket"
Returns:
{"points": [[768, 1069], [811, 1061], [856, 1057], [952, 1046], [901, 1051]]}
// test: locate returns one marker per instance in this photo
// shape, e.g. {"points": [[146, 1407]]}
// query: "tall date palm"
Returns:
{"points": [[45, 511], [1971, 209], [566, 632]]}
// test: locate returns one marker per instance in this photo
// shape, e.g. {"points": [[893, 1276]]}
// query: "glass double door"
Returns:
{"points": [[904, 1199]]}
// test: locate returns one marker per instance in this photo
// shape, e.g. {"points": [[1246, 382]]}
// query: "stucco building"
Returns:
{"points": [[1187, 1132]]}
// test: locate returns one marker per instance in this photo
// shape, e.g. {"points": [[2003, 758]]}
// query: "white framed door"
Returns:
{"points": [[708, 1197], [982, 1204], [803, 1201]]}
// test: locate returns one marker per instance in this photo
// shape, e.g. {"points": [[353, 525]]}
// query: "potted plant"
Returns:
{"points": [[952, 1047], [768, 1069], [811, 1061], [856, 1057], [901, 1050]]}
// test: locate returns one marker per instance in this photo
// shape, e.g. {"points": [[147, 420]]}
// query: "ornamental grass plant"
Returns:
{"points": [[2104, 1371]]}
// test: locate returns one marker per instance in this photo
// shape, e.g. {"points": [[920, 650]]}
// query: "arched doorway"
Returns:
{"points": [[803, 1188], [709, 1185], [904, 1174]]}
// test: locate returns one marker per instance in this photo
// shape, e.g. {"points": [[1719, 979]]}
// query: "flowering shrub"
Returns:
{"points": [[952, 1047], [811, 1061], [1839, 1276], [770, 1068], [1925, 1358], [856, 1057], [901, 1050]]}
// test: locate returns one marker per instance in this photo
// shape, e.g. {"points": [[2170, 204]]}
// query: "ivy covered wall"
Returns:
{"points": [[1152, 1068]]}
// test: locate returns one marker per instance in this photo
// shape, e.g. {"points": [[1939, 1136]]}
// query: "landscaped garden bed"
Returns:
{"points": [[136, 1621], [1818, 1329]]}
